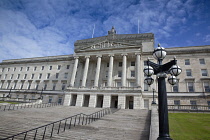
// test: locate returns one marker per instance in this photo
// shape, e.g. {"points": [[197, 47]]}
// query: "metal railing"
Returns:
{"points": [[47, 131], [26, 105], [189, 108]]}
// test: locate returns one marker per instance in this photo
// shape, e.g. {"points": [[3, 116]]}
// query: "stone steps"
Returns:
{"points": [[123, 124]]}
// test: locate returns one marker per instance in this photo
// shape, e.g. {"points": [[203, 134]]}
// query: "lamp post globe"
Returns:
{"points": [[148, 70], [172, 80], [149, 80], [175, 70], [159, 53]]}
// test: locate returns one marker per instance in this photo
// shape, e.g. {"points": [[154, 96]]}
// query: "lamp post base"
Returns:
{"points": [[164, 138]]}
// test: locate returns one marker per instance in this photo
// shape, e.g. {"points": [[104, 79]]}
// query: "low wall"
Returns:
{"points": [[154, 126]]}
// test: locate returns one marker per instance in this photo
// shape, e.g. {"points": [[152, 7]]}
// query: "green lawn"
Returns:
{"points": [[189, 126], [9, 102]]}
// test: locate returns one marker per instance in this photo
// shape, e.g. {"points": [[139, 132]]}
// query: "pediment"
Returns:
{"points": [[107, 44]]}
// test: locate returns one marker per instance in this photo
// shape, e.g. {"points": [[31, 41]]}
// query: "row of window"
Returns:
{"points": [[32, 76], [120, 64], [192, 102], [190, 87], [36, 86], [201, 61], [187, 62], [204, 72], [35, 68]]}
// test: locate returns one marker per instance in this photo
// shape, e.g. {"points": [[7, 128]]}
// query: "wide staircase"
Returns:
{"points": [[119, 125]]}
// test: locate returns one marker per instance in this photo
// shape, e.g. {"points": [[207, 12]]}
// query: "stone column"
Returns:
{"points": [[79, 101], [97, 71], [74, 72], [136, 101], [85, 71], [124, 73], [111, 61], [121, 101], [92, 101], [67, 99], [138, 61], [107, 101]]}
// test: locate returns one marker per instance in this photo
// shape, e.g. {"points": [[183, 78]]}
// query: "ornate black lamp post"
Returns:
{"points": [[9, 96], [41, 97], [161, 71]]}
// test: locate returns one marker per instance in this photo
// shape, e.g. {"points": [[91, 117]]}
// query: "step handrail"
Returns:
{"points": [[89, 118]]}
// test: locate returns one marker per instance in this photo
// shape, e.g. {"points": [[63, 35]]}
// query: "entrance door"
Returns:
{"points": [[73, 100], [86, 100], [100, 101], [130, 104], [114, 101]]}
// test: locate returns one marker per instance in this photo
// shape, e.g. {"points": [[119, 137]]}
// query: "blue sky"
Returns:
{"points": [[35, 28]]}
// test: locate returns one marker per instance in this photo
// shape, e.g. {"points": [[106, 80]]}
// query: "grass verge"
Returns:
{"points": [[189, 126]]}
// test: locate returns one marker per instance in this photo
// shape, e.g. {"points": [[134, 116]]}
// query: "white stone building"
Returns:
{"points": [[107, 71]]}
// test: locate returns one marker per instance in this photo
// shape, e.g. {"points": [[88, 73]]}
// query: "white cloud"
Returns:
{"points": [[207, 38]]}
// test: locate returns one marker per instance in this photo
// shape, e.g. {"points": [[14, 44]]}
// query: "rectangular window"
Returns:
{"points": [[175, 88], [45, 86], [37, 86], [132, 73], [40, 76], [119, 73], [21, 87], [11, 76], [14, 68], [59, 67], [5, 76], [204, 72], [0, 76], [68, 66], [50, 68], [56, 76], [119, 84], [208, 103], [42, 67], [27, 69], [190, 86], [18, 76], [8, 69], [176, 102], [60, 100], [132, 84], [187, 61], [2, 69], [106, 74], [50, 99], [48, 75], [120, 64], [63, 86], [33, 97], [15, 85], [202, 61], [25, 76], [8, 85], [21, 68], [206, 87], [107, 64], [65, 75], [132, 63], [54, 85], [32, 76], [193, 104], [29, 85], [188, 72], [35, 68]]}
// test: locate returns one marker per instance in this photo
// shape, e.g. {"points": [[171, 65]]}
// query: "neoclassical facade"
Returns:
{"points": [[107, 71]]}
